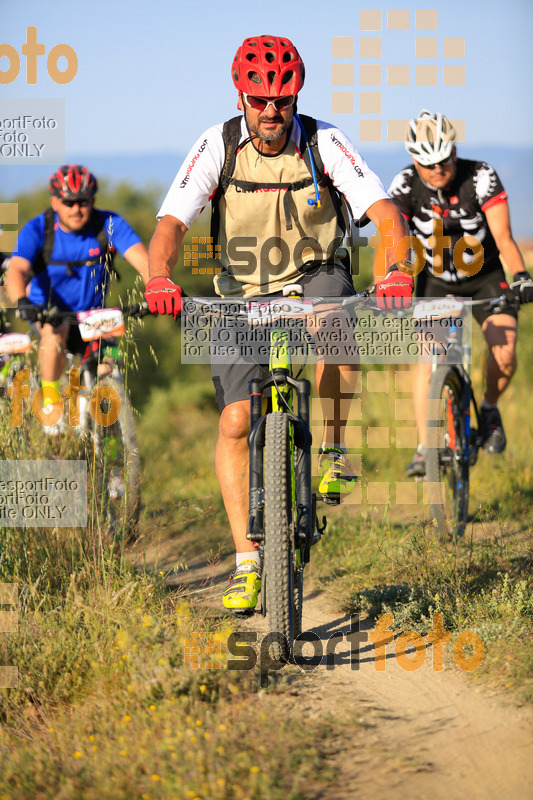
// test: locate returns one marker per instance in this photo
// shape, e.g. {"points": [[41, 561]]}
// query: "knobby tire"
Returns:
{"points": [[449, 477], [118, 463], [283, 581]]}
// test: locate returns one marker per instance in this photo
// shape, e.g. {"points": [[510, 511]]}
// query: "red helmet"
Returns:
{"points": [[73, 182], [269, 66]]}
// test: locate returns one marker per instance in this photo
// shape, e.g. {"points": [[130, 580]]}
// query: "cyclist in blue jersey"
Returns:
{"points": [[67, 252]]}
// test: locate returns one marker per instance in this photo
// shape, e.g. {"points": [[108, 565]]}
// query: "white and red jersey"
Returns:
{"points": [[269, 204], [198, 176]]}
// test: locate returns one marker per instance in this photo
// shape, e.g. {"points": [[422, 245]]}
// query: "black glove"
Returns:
{"points": [[522, 286], [27, 311]]}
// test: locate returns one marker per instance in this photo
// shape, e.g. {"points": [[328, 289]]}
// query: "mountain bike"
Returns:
{"points": [[452, 441], [282, 507], [106, 424], [283, 520]]}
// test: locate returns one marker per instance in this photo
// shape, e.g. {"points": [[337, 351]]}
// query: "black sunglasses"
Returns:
{"points": [[445, 163], [72, 203]]}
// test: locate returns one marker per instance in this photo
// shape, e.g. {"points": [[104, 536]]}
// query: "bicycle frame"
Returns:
{"points": [[282, 384], [109, 442], [467, 451], [453, 448]]}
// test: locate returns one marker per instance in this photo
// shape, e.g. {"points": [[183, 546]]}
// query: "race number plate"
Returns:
{"points": [[99, 322], [14, 343], [264, 312], [438, 308]]}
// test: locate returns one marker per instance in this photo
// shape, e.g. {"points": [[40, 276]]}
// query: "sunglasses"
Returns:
{"points": [[445, 163], [262, 103], [72, 203]]}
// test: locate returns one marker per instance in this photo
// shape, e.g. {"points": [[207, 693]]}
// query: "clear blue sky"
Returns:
{"points": [[153, 76]]}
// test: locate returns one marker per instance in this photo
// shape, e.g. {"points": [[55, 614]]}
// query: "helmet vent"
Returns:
{"points": [[270, 62], [429, 138]]}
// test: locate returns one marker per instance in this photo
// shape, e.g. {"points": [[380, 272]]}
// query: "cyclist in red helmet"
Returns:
{"points": [[268, 67], [274, 177], [73, 182], [64, 251]]}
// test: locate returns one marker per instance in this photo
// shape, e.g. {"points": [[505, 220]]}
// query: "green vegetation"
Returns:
{"points": [[389, 557], [106, 706]]}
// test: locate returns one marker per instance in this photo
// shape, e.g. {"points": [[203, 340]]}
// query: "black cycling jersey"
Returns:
{"points": [[461, 205]]}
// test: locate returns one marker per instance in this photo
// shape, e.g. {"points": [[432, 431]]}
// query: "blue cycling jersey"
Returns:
{"points": [[86, 286]]}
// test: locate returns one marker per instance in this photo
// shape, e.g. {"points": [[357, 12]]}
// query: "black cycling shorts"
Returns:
{"points": [[478, 287], [231, 379]]}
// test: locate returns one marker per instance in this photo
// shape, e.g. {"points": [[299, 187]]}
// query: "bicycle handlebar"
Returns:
{"points": [[55, 317], [240, 307], [498, 303]]}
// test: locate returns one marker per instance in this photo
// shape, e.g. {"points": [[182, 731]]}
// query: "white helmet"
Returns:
{"points": [[430, 138]]}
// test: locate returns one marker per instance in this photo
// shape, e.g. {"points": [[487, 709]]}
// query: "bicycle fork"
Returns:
{"points": [[459, 424], [302, 458]]}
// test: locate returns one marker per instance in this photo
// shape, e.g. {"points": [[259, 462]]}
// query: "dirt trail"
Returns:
{"points": [[433, 734]]}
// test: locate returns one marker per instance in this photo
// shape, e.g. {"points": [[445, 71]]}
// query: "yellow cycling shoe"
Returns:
{"points": [[244, 587], [338, 476]]}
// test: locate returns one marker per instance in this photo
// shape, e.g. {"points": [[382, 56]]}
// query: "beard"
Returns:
{"points": [[271, 137]]}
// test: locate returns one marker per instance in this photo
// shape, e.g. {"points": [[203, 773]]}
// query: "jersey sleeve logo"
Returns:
{"points": [[351, 158], [484, 182], [194, 159]]}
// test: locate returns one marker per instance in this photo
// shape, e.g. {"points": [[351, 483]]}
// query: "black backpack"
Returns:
{"points": [[96, 222], [231, 134]]}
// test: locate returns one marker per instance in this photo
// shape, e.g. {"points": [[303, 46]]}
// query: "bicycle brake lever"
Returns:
{"points": [[506, 301]]}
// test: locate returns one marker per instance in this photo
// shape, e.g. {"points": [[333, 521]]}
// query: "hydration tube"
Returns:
{"points": [[310, 202]]}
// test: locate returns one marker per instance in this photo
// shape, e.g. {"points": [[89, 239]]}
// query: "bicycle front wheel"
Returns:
{"points": [[117, 467], [447, 469], [281, 572]]}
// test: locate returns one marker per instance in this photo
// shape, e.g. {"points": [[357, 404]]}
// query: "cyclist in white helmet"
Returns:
{"points": [[469, 199]]}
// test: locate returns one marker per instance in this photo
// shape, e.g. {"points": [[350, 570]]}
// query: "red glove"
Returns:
{"points": [[163, 296], [395, 290]]}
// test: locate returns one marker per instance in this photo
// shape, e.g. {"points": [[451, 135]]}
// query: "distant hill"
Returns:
{"points": [[514, 166], [154, 169]]}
